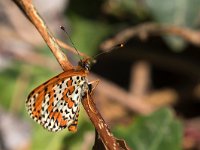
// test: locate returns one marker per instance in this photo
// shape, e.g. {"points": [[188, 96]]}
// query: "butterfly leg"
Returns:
{"points": [[90, 105], [73, 127], [95, 82]]}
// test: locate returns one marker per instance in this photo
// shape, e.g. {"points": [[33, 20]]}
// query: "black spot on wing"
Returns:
{"points": [[45, 89]]}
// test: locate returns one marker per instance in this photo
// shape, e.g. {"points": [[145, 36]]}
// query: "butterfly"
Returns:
{"points": [[56, 103]]}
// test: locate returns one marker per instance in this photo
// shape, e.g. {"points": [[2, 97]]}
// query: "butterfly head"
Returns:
{"points": [[85, 64]]}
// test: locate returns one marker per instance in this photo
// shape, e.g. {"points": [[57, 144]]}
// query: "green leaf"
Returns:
{"points": [[157, 131], [177, 12]]}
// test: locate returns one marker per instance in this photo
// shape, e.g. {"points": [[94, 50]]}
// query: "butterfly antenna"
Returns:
{"points": [[70, 41], [112, 48]]}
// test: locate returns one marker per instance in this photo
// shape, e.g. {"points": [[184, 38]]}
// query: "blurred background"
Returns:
{"points": [[149, 90]]}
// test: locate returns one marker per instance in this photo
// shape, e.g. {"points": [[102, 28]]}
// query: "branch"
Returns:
{"points": [[32, 14], [126, 99], [71, 49], [149, 29], [29, 56]]}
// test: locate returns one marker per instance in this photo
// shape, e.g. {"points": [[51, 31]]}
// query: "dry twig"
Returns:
{"points": [[71, 49], [29, 10], [149, 29]]}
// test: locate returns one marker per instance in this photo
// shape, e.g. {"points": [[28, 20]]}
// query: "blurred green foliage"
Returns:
{"points": [[175, 12], [87, 34], [7, 83], [157, 131]]}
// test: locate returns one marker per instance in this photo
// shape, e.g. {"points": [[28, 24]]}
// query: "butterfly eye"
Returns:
{"points": [[87, 66]]}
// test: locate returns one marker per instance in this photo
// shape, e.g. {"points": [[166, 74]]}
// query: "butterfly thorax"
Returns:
{"points": [[85, 64]]}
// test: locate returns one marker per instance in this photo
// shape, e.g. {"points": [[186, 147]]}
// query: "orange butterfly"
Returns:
{"points": [[56, 103]]}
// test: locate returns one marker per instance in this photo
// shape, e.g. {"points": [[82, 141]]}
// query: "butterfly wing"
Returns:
{"points": [[55, 103]]}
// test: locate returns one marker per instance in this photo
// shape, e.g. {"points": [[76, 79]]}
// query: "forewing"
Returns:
{"points": [[55, 103]]}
